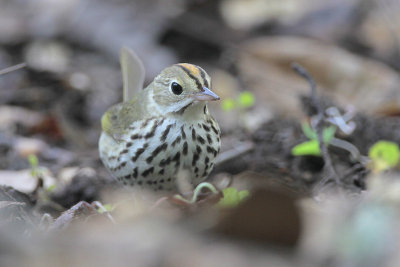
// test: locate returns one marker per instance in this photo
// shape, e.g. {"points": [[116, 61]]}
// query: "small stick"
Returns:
{"points": [[234, 152], [12, 68], [328, 166]]}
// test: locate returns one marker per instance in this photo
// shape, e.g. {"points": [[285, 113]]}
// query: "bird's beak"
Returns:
{"points": [[206, 95]]}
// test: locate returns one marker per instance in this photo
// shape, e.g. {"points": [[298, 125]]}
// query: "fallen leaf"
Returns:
{"points": [[267, 215]]}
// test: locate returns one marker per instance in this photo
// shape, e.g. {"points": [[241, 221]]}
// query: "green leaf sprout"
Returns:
{"points": [[246, 99], [232, 197], [243, 101], [384, 155], [311, 147]]}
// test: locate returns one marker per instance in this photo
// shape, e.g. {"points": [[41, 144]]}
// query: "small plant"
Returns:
{"points": [[232, 197], [311, 147], [34, 163], [243, 101], [39, 172], [384, 155], [197, 191]]}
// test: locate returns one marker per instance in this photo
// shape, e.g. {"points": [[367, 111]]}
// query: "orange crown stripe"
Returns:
{"points": [[192, 68]]}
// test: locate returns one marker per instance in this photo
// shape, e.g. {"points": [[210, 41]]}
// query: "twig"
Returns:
{"points": [[235, 152], [12, 68], [329, 170], [158, 203]]}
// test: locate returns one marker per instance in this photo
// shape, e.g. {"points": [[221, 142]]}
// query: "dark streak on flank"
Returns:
{"points": [[156, 151], [203, 76], [205, 110], [164, 162], [135, 172], [183, 133], [139, 152], [193, 134], [196, 157], [129, 144], [185, 148], [198, 149], [135, 136], [123, 152], [165, 133], [206, 128], [205, 172], [153, 130], [177, 158], [201, 139], [214, 129], [176, 141], [209, 139], [148, 171], [211, 150], [192, 77]]}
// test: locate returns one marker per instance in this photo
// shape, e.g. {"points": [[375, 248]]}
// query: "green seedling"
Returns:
{"points": [[232, 197], [384, 155], [197, 191], [311, 147], [34, 162], [38, 172], [243, 101]]}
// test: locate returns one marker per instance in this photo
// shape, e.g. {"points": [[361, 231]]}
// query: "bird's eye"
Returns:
{"points": [[176, 88]]}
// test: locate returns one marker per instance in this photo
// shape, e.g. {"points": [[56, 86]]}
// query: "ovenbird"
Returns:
{"points": [[164, 128]]}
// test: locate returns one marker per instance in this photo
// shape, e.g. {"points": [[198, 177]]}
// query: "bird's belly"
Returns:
{"points": [[156, 149]]}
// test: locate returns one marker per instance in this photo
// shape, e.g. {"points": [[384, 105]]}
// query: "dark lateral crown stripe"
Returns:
{"points": [[203, 76], [189, 73]]}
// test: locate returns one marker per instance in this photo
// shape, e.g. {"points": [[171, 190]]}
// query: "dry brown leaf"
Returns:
{"points": [[348, 79], [268, 215]]}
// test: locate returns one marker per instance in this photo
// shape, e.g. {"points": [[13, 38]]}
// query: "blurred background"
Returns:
{"points": [[51, 105]]}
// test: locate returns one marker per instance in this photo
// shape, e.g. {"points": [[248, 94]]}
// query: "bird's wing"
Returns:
{"points": [[133, 73], [117, 119]]}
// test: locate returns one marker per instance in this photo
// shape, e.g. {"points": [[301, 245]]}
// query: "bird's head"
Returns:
{"points": [[181, 86]]}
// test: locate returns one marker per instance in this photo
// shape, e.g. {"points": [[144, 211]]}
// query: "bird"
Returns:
{"points": [[162, 129]]}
